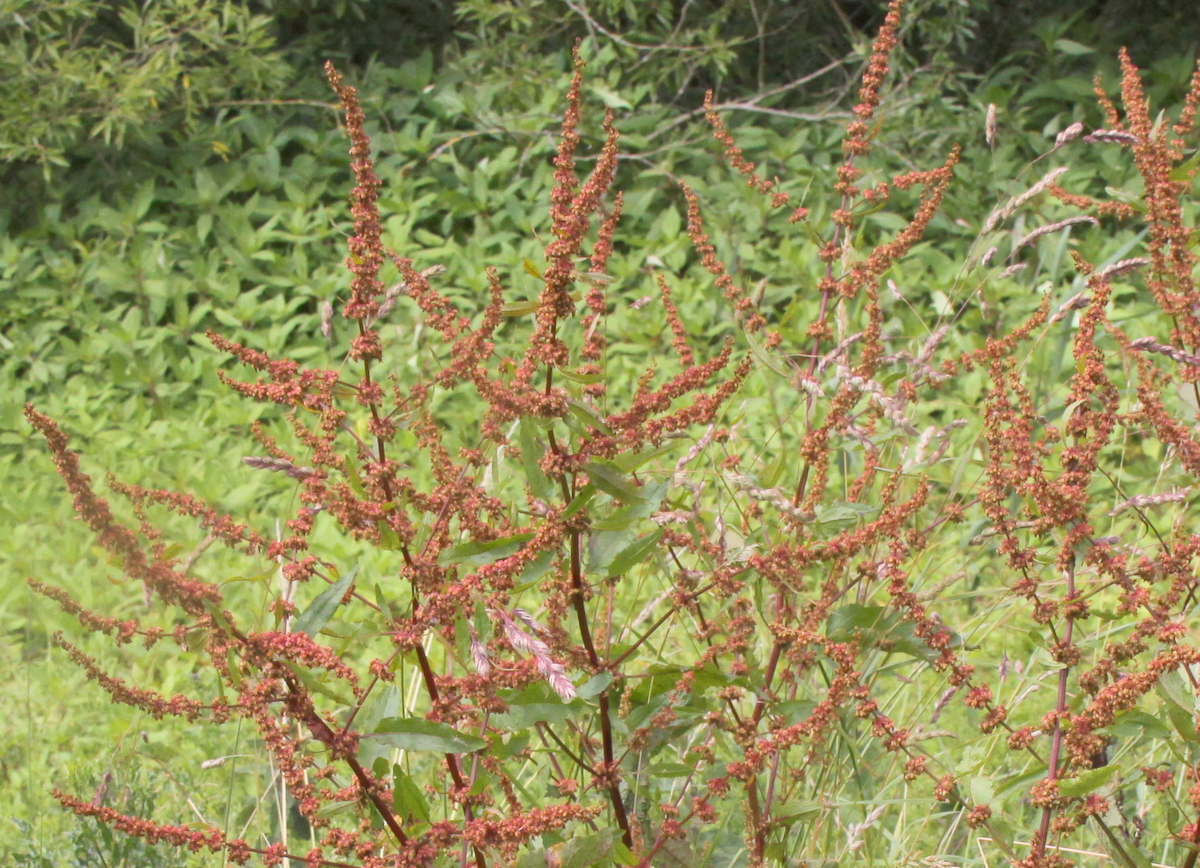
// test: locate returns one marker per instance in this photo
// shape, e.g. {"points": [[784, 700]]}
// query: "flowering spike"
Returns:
{"points": [[366, 252]]}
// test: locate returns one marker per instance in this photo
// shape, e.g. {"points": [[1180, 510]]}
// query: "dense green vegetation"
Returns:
{"points": [[179, 166]]}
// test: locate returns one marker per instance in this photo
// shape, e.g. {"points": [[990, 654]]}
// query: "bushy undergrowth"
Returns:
{"points": [[879, 553]]}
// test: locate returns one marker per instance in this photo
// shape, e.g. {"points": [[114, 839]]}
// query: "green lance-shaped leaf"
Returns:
{"points": [[407, 798], [478, 554], [609, 479], [594, 686], [579, 852], [1178, 705], [847, 620], [519, 717], [636, 552], [1086, 782], [317, 615], [417, 734], [531, 450]]}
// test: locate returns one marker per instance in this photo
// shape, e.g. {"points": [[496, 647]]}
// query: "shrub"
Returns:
{"points": [[932, 578], [106, 70]]}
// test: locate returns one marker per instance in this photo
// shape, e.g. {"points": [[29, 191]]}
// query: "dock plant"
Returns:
{"points": [[645, 620]]}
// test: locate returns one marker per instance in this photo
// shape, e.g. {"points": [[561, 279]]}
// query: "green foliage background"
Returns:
{"points": [[175, 166]]}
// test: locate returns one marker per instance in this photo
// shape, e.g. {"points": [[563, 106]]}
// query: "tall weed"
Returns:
{"points": [[883, 573]]}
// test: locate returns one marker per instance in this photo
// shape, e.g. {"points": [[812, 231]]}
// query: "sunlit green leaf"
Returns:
{"points": [[317, 615], [408, 799], [1086, 782], [476, 554], [417, 734]]}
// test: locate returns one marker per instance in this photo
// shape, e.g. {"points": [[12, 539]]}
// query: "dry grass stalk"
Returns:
{"points": [[1010, 207], [1068, 135], [1050, 228]]}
